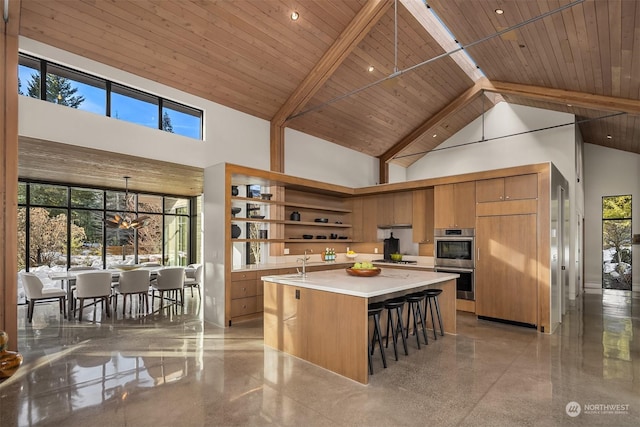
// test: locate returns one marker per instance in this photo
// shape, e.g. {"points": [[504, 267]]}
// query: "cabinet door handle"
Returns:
{"points": [[478, 254]]}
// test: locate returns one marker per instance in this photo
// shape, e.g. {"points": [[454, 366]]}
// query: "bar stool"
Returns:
{"points": [[375, 309], [414, 302], [395, 305], [432, 295]]}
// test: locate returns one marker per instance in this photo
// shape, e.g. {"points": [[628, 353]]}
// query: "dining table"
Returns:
{"points": [[69, 278]]}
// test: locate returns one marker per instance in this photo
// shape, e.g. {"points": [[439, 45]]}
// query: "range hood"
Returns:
{"points": [[392, 226]]}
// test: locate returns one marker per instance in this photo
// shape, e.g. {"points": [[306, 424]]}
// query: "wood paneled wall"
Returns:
{"points": [[9, 171]]}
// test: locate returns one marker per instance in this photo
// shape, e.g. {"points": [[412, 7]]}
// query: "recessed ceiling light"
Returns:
{"points": [[569, 105], [609, 137], [499, 11], [294, 16], [370, 68], [435, 134]]}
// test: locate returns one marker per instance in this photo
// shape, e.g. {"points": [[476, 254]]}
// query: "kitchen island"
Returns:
{"points": [[322, 318]]}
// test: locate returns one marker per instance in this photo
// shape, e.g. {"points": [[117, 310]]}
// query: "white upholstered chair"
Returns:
{"points": [[193, 280], [134, 282], [34, 290], [94, 285], [77, 268], [170, 279]]}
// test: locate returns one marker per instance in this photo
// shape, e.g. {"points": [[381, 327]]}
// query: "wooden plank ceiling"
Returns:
{"points": [[249, 55]]}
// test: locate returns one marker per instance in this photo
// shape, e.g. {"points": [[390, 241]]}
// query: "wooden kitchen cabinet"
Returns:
{"points": [[423, 216], [246, 295], [506, 274], [455, 205], [395, 208], [365, 226], [384, 210], [297, 321], [518, 187], [403, 207]]}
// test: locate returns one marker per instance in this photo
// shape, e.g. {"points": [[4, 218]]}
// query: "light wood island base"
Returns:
{"points": [[331, 329], [320, 327]]}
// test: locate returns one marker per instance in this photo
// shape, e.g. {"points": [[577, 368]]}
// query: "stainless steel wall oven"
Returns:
{"points": [[454, 253]]}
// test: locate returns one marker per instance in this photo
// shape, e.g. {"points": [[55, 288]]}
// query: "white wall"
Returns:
{"points": [[501, 150], [397, 173], [608, 172], [555, 145], [309, 157], [214, 257]]}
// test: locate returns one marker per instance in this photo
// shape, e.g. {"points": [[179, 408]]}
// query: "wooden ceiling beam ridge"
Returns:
{"points": [[452, 108], [359, 27], [563, 96]]}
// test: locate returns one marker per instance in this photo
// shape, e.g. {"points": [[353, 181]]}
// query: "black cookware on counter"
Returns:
{"points": [[391, 246]]}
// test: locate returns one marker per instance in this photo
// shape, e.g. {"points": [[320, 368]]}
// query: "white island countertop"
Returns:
{"points": [[389, 280]]}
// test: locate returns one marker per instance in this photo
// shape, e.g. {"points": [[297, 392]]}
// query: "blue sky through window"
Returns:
{"points": [[123, 107]]}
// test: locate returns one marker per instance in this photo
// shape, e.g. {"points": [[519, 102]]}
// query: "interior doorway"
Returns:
{"points": [[616, 242]]}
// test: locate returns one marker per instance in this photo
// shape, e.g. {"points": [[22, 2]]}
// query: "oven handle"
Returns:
{"points": [[453, 270], [453, 238]]}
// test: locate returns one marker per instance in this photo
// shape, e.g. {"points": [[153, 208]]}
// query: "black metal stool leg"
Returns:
{"points": [[433, 322], [376, 333], [439, 317]]}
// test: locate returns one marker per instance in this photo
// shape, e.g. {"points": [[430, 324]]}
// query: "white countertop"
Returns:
{"points": [[346, 263], [389, 280]]}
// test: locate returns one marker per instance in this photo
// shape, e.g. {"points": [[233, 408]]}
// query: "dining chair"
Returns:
{"points": [[134, 282], [193, 279], [94, 285], [170, 279], [34, 290], [77, 268]]}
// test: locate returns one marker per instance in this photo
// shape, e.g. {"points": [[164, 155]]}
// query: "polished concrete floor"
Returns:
{"points": [[171, 369]]}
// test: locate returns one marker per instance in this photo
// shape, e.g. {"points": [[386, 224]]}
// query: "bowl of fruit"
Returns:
{"points": [[351, 254], [363, 269]]}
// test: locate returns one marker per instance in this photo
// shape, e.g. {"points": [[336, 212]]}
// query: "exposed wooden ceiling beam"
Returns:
{"points": [[456, 105], [359, 27], [561, 96]]}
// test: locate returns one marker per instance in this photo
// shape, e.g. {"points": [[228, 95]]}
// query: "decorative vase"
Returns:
{"points": [[10, 361], [236, 231]]}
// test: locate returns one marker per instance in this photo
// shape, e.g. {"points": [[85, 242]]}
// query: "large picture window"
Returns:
{"points": [[61, 226], [76, 89], [616, 242]]}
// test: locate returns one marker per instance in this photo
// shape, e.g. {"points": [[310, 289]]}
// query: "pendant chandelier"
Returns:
{"points": [[123, 220]]}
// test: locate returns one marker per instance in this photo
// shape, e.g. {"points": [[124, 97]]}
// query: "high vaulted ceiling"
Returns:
{"points": [[581, 57]]}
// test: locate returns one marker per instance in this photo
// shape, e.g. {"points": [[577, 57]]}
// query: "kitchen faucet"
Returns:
{"points": [[304, 260]]}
